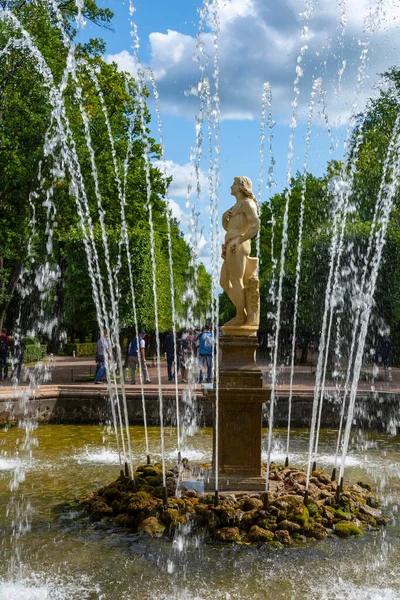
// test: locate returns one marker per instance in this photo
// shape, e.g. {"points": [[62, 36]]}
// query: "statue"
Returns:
{"points": [[239, 271]]}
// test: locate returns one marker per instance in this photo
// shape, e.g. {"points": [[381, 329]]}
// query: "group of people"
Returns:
{"points": [[136, 356], [12, 351], [192, 352]]}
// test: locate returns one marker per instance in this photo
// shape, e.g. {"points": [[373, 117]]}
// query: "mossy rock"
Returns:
{"points": [[313, 509], [124, 520], [139, 481], [213, 521], [322, 476], [258, 534], [111, 493], [290, 502], [159, 492], [171, 517], [299, 537], [227, 516], [154, 480], [207, 499], [152, 527], [365, 486], [189, 508], [317, 531], [227, 535], [146, 488], [345, 529], [180, 503], [141, 468], [283, 537], [300, 517], [116, 507], [289, 526], [342, 515], [201, 509], [268, 523], [248, 520], [249, 504], [151, 471], [99, 510], [140, 501]]}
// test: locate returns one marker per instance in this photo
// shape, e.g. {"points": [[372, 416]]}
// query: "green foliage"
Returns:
{"points": [[368, 150], [87, 349], [34, 352], [33, 207]]}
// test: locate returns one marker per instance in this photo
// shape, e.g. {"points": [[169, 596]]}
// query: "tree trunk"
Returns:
{"points": [[8, 290], [54, 345]]}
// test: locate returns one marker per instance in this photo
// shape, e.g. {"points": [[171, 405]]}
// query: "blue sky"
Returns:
{"points": [[259, 41]]}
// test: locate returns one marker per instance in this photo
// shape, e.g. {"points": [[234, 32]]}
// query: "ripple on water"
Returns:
{"points": [[301, 459], [191, 454], [350, 591], [34, 589], [101, 456], [9, 464]]}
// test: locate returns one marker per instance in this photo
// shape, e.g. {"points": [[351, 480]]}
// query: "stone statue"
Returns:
{"points": [[239, 271]]}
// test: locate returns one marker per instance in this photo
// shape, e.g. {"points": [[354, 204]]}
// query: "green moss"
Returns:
{"points": [[345, 529], [344, 516], [151, 471], [258, 534], [301, 518], [154, 480], [111, 493], [313, 509]]}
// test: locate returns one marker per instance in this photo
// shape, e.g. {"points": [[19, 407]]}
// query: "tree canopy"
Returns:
{"points": [[73, 181], [364, 167]]}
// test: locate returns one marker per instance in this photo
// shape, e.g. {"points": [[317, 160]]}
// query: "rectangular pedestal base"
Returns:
{"points": [[234, 483]]}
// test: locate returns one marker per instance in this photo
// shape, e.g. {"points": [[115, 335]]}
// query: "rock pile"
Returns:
{"points": [[279, 519]]}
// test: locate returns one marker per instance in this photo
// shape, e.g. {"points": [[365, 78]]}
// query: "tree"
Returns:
{"points": [[81, 170]]}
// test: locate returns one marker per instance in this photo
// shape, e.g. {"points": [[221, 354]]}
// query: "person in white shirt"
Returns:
{"points": [[103, 356], [134, 357]]}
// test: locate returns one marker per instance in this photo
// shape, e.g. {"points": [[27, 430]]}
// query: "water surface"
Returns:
{"points": [[47, 554]]}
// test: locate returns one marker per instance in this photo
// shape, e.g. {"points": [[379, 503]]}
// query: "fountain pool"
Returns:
{"points": [[62, 557]]}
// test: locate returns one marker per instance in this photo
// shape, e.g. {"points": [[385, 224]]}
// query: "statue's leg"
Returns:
{"points": [[236, 263]]}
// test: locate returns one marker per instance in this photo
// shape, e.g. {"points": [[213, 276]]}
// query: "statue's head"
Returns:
{"points": [[246, 187]]}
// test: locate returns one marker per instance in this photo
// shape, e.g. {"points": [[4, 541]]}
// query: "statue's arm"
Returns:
{"points": [[250, 210], [225, 218]]}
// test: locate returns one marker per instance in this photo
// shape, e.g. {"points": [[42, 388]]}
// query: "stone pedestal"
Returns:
{"points": [[240, 398]]}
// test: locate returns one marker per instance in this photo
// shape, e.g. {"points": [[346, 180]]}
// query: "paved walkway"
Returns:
{"points": [[68, 371]]}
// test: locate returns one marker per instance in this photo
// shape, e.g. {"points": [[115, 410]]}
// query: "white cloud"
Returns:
{"points": [[260, 41], [125, 62], [178, 213], [182, 177]]}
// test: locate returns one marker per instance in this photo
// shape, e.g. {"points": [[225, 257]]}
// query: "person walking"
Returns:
{"points": [[135, 357], [169, 345], [187, 357], [205, 353], [103, 356], [18, 357], [5, 343], [385, 348]]}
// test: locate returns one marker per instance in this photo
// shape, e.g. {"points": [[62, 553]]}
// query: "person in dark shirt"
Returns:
{"points": [[5, 343], [18, 357], [385, 348], [169, 345]]}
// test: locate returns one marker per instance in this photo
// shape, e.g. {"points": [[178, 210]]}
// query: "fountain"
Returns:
{"points": [[239, 392], [151, 532]]}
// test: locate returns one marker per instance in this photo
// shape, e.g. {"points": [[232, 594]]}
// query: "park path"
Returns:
{"points": [[69, 371]]}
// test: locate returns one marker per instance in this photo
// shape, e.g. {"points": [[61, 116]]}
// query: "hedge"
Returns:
{"points": [[87, 349], [34, 352]]}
